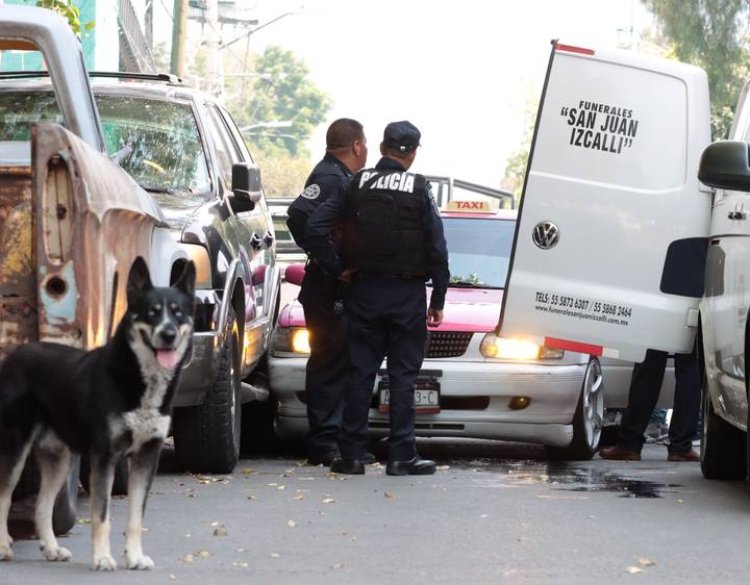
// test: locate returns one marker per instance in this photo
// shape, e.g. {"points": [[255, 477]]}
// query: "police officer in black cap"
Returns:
{"points": [[326, 376], [392, 242]]}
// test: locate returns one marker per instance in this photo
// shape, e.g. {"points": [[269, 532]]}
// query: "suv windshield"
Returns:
{"points": [[478, 250], [156, 142]]}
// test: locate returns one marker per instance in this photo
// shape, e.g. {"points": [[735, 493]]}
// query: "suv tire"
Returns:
{"points": [[207, 436], [723, 446], [65, 511]]}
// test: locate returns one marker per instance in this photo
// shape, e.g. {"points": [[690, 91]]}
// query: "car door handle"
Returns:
{"points": [[737, 215], [256, 242], [268, 238]]}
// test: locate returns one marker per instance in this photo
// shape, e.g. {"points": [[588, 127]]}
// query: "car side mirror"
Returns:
{"points": [[726, 165], [246, 184]]}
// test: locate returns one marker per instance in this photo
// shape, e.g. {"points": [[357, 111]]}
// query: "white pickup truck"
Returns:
{"points": [[620, 247]]}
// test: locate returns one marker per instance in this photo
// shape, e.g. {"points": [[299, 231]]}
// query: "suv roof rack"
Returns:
{"points": [[166, 77]]}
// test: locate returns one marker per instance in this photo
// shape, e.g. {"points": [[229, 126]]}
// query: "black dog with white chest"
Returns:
{"points": [[110, 402]]}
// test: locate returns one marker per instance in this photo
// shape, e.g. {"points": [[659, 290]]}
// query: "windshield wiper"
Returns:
{"points": [[155, 189], [460, 284]]}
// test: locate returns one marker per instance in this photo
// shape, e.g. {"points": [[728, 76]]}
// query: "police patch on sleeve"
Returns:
{"points": [[311, 192]]}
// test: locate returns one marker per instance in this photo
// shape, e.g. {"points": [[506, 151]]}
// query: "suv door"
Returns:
{"points": [[610, 249], [255, 236]]}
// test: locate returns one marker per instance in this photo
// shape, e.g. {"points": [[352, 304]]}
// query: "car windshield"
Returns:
{"points": [[156, 142], [478, 250]]}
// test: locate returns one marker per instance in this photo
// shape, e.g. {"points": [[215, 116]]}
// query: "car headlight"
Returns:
{"points": [[199, 255], [291, 340], [494, 346]]}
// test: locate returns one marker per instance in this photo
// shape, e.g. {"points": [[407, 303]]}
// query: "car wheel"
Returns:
{"points": [[207, 436], [723, 446], [120, 484], [587, 421], [65, 512]]}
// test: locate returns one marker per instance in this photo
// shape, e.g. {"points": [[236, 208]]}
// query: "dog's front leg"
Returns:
{"points": [[143, 463], [54, 464], [101, 479]]}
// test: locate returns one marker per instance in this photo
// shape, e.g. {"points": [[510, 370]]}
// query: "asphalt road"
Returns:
{"points": [[494, 513]]}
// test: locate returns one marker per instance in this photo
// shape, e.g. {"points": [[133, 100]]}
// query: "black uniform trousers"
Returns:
{"points": [[387, 318], [327, 372], [643, 395]]}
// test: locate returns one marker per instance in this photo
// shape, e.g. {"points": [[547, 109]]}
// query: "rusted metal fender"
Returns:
{"points": [[91, 221]]}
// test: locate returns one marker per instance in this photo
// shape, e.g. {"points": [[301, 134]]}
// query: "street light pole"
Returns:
{"points": [[215, 82], [270, 124]]}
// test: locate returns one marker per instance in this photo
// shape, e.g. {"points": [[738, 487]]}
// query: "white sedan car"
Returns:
{"points": [[474, 383]]}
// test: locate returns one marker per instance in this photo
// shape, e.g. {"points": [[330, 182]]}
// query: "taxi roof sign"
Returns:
{"points": [[475, 206]]}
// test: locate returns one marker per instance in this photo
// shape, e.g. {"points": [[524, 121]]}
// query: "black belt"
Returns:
{"points": [[389, 275]]}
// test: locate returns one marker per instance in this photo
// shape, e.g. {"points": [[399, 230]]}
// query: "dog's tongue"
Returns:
{"points": [[167, 358]]}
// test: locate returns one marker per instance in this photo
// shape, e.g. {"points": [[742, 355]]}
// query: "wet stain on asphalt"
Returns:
{"points": [[565, 476], [591, 480]]}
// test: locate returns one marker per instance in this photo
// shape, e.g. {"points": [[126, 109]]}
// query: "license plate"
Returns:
{"points": [[426, 397]]}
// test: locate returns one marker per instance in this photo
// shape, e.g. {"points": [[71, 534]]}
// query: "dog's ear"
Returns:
{"points": [[186, 282], [138, 279]]}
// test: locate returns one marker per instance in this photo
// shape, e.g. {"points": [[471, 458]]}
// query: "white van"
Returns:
{"points": [[616, 232]]}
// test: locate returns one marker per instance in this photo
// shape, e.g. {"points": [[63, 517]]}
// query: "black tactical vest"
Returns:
{"points": [[384, 224]]}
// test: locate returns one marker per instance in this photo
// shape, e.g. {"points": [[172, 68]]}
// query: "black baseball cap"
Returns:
{"points": [[402, 136]]}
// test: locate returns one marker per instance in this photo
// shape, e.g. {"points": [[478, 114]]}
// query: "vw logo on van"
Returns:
{"points": [[545, 235]]}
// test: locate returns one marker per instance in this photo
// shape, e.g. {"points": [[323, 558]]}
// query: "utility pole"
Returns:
{"points": [[179, 30], [148, 24]]}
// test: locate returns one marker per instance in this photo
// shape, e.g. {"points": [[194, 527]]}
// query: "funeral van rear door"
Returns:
{"points": [[610, 248]]}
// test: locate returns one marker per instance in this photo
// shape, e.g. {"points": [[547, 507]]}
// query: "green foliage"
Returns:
{"points": [[515, 168], [70, 11], [283, 175], [281, 92], [711, 35]]}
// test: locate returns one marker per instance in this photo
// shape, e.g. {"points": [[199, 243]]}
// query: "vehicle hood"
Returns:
{"points": [[180, 208], [470, 309]]}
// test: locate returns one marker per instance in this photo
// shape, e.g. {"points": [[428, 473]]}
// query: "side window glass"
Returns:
{"points": [[235, 131], [227, 150], [244, 152]]}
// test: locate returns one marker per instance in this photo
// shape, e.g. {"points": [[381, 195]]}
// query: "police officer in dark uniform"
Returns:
{"points": [[327, 370], [392, 242]]}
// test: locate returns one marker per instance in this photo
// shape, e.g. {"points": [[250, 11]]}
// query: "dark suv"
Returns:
{"points": [[184, 148]]}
